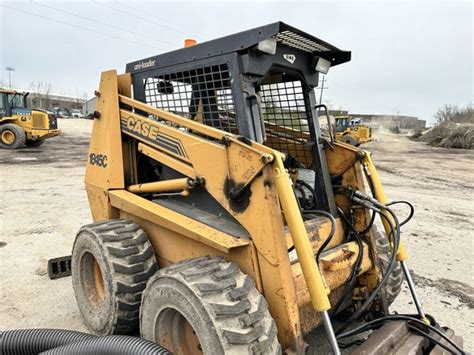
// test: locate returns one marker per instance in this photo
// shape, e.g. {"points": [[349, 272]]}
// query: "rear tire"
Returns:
{"points": [[348, 139], [207, 305], [384, 252], [111, 263], [12, 136], [34, 143]]}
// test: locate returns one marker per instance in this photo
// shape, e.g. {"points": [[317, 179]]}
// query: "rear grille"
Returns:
{"points": [[38, 121], [295, 40]]}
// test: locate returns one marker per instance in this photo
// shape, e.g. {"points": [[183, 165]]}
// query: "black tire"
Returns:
{"points": [[111, 263], [34, 143], [384, 252], [348, 139], [15, 133], [207, 304]]}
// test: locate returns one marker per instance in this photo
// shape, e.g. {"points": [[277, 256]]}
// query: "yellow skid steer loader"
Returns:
{"points": [[226, 223]]}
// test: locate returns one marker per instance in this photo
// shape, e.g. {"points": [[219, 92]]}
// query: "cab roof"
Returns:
{"points": [[284, 34]]}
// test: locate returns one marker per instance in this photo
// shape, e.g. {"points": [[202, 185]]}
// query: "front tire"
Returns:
{"points": [[207, 305], [348, 139], [12, 136], [384, 251], [111, 263]]}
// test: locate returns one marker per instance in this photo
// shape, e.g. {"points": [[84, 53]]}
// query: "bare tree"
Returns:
{"points": [[454, 113], [40, 94], [80, 100]]}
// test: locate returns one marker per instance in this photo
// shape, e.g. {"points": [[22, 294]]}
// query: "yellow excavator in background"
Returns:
{"points": [[20, 125]]}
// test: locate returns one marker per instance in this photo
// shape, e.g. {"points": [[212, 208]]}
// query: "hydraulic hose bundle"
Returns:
{"points": [[419, 324]]}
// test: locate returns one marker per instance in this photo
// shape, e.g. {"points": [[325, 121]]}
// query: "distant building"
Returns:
{"points": [[400, 121], [51, 101], [89, 106]]}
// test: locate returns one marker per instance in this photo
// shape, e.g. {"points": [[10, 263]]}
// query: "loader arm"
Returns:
{"points": [[175, 143]]}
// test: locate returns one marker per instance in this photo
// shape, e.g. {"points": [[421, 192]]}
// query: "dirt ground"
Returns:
{"points": [[43, 203]]}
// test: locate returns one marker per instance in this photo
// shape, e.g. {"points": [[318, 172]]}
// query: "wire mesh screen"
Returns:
{"points": [[285, 114], [202, 94]]}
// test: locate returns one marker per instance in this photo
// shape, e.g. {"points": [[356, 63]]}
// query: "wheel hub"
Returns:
{"points": [[98, 280], [92, 279], [176, 333], [8, 137]]}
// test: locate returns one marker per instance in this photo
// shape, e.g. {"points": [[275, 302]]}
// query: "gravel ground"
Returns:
{"points": [[43, 203]]}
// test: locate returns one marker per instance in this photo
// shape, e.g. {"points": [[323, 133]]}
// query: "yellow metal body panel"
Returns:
{"points": [[104, 168], [176, 222]]}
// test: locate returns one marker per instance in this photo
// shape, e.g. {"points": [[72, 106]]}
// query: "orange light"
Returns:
{"points": [[189, 42]]}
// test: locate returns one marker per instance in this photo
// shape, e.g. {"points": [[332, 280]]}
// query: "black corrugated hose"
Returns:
{"points": [[60, 341]]}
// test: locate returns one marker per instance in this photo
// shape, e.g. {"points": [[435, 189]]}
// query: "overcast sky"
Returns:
{"points": [[408, 57]]}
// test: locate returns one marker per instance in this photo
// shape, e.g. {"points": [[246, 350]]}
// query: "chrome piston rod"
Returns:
{"points": [[330, 333]]}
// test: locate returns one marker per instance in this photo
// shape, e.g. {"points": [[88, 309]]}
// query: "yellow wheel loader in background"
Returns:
{"points": [[20, 125], [225, 223], [350, 130]]}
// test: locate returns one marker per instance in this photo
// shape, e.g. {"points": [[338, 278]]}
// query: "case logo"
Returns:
{"points": [[289, 58]]}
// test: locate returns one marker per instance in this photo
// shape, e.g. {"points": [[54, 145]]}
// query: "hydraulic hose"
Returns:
{"points": [[34, 341], [410, 215], [111, 345], [331, 232], [355, 270], [396, 240], [60, 341]]}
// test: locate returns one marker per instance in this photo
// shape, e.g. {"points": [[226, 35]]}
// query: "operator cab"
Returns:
{"points": [[258, 84], [10, 101]]}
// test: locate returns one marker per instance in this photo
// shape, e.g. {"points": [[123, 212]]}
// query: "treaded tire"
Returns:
{"points": [[34, 143], [213, 298], [17, 131], [348, 139], [394, 283], [111, 263]]}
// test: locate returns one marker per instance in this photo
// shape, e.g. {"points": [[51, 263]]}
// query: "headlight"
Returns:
{"points": [[322, 65], [268, 46]]}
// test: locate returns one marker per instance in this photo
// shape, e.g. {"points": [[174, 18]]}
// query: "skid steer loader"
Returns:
{"points": [[224, 222]]}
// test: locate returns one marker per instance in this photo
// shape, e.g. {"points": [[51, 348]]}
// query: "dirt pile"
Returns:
{"points": [[450, 135]]}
